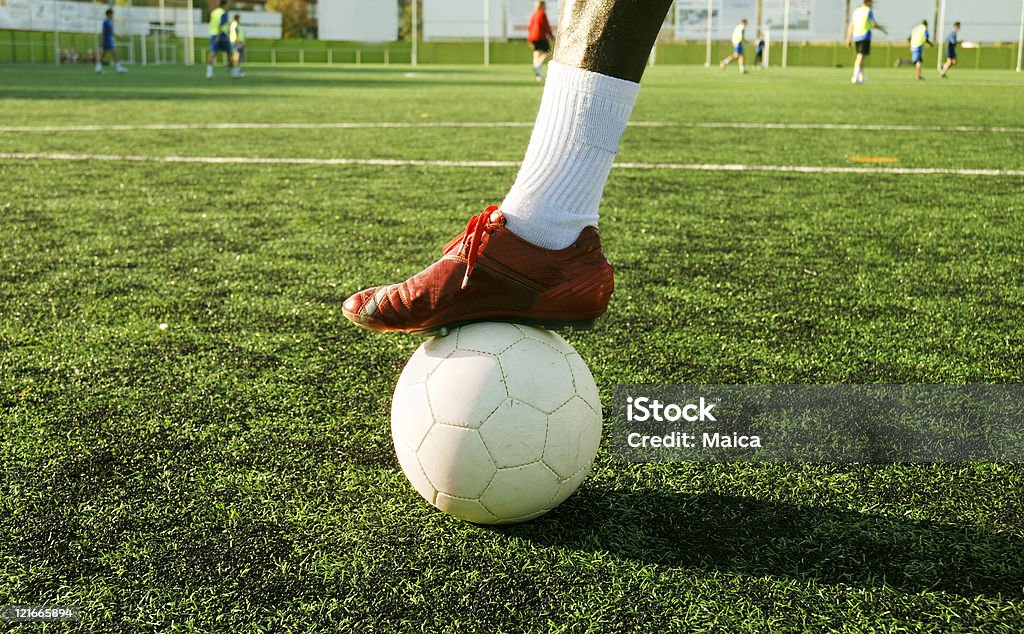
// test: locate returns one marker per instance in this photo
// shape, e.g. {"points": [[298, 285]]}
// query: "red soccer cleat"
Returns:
{"points": [[487, 273]]}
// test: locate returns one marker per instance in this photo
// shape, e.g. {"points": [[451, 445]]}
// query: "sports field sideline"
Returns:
{"points": [[196, 438]]}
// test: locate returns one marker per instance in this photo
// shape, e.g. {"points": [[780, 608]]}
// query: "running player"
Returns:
{"points": [[919, 36], [859, 35], [951, 42], [739, 34], [108, 45]]}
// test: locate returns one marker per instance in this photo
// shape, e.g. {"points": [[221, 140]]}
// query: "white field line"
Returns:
{"points": [[738, 125], [701, 167], [266, 126]]}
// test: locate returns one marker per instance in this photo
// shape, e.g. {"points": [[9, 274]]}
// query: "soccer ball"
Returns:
{"points": [[496, 423]]}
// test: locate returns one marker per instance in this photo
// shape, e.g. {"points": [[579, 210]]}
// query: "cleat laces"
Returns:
{"points": [[488, 220]]}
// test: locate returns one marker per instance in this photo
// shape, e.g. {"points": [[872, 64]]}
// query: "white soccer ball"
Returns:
{"points": [[496, 423]]}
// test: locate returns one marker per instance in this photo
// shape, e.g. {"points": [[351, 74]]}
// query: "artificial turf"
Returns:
{"points": [[195, 439]]}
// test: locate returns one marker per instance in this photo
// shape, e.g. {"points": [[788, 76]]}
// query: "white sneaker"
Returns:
{"points": [[99, 69], [121, 69]]}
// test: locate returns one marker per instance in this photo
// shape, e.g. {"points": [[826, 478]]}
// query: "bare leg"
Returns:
{"points": [[610, 37], [539, 57], [601, 53], [858, 66]]}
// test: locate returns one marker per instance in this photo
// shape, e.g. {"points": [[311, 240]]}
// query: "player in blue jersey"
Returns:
{"points": [[107, 37], [951, 42], [759, 51]]}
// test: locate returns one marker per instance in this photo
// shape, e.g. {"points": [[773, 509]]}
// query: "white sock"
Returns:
{"points": [[580, 123], [209, 70]]}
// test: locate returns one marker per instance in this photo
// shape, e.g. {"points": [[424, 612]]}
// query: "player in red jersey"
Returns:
{"points": [[540, 35]]}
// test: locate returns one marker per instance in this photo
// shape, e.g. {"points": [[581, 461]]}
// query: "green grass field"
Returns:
{"points": [[234, 471]]}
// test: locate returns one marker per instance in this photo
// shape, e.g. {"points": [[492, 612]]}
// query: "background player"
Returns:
{"points": [[859, 35], [919, 36], [951, 42], [540, 35], [236, 36], [108, 45], [218, 37], [759, 51], [739, 34]]}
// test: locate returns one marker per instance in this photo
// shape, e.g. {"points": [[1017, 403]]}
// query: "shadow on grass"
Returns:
{"points": [[262, 82], [745, 536]]}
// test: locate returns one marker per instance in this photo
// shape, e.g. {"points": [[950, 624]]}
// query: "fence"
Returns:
{"points": [[268, 53], [38, 47], [32, 47]]}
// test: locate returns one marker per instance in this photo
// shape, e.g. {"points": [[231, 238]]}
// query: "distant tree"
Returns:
{"points": [[295, 21], [405, 19]]}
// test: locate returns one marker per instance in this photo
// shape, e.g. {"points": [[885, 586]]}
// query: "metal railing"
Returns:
{"points": [[34, 52], [132, 50], [332, 55], [162, 47]]}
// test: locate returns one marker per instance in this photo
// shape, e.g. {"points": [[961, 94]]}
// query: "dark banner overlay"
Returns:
{"points": [[817, 423]]}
